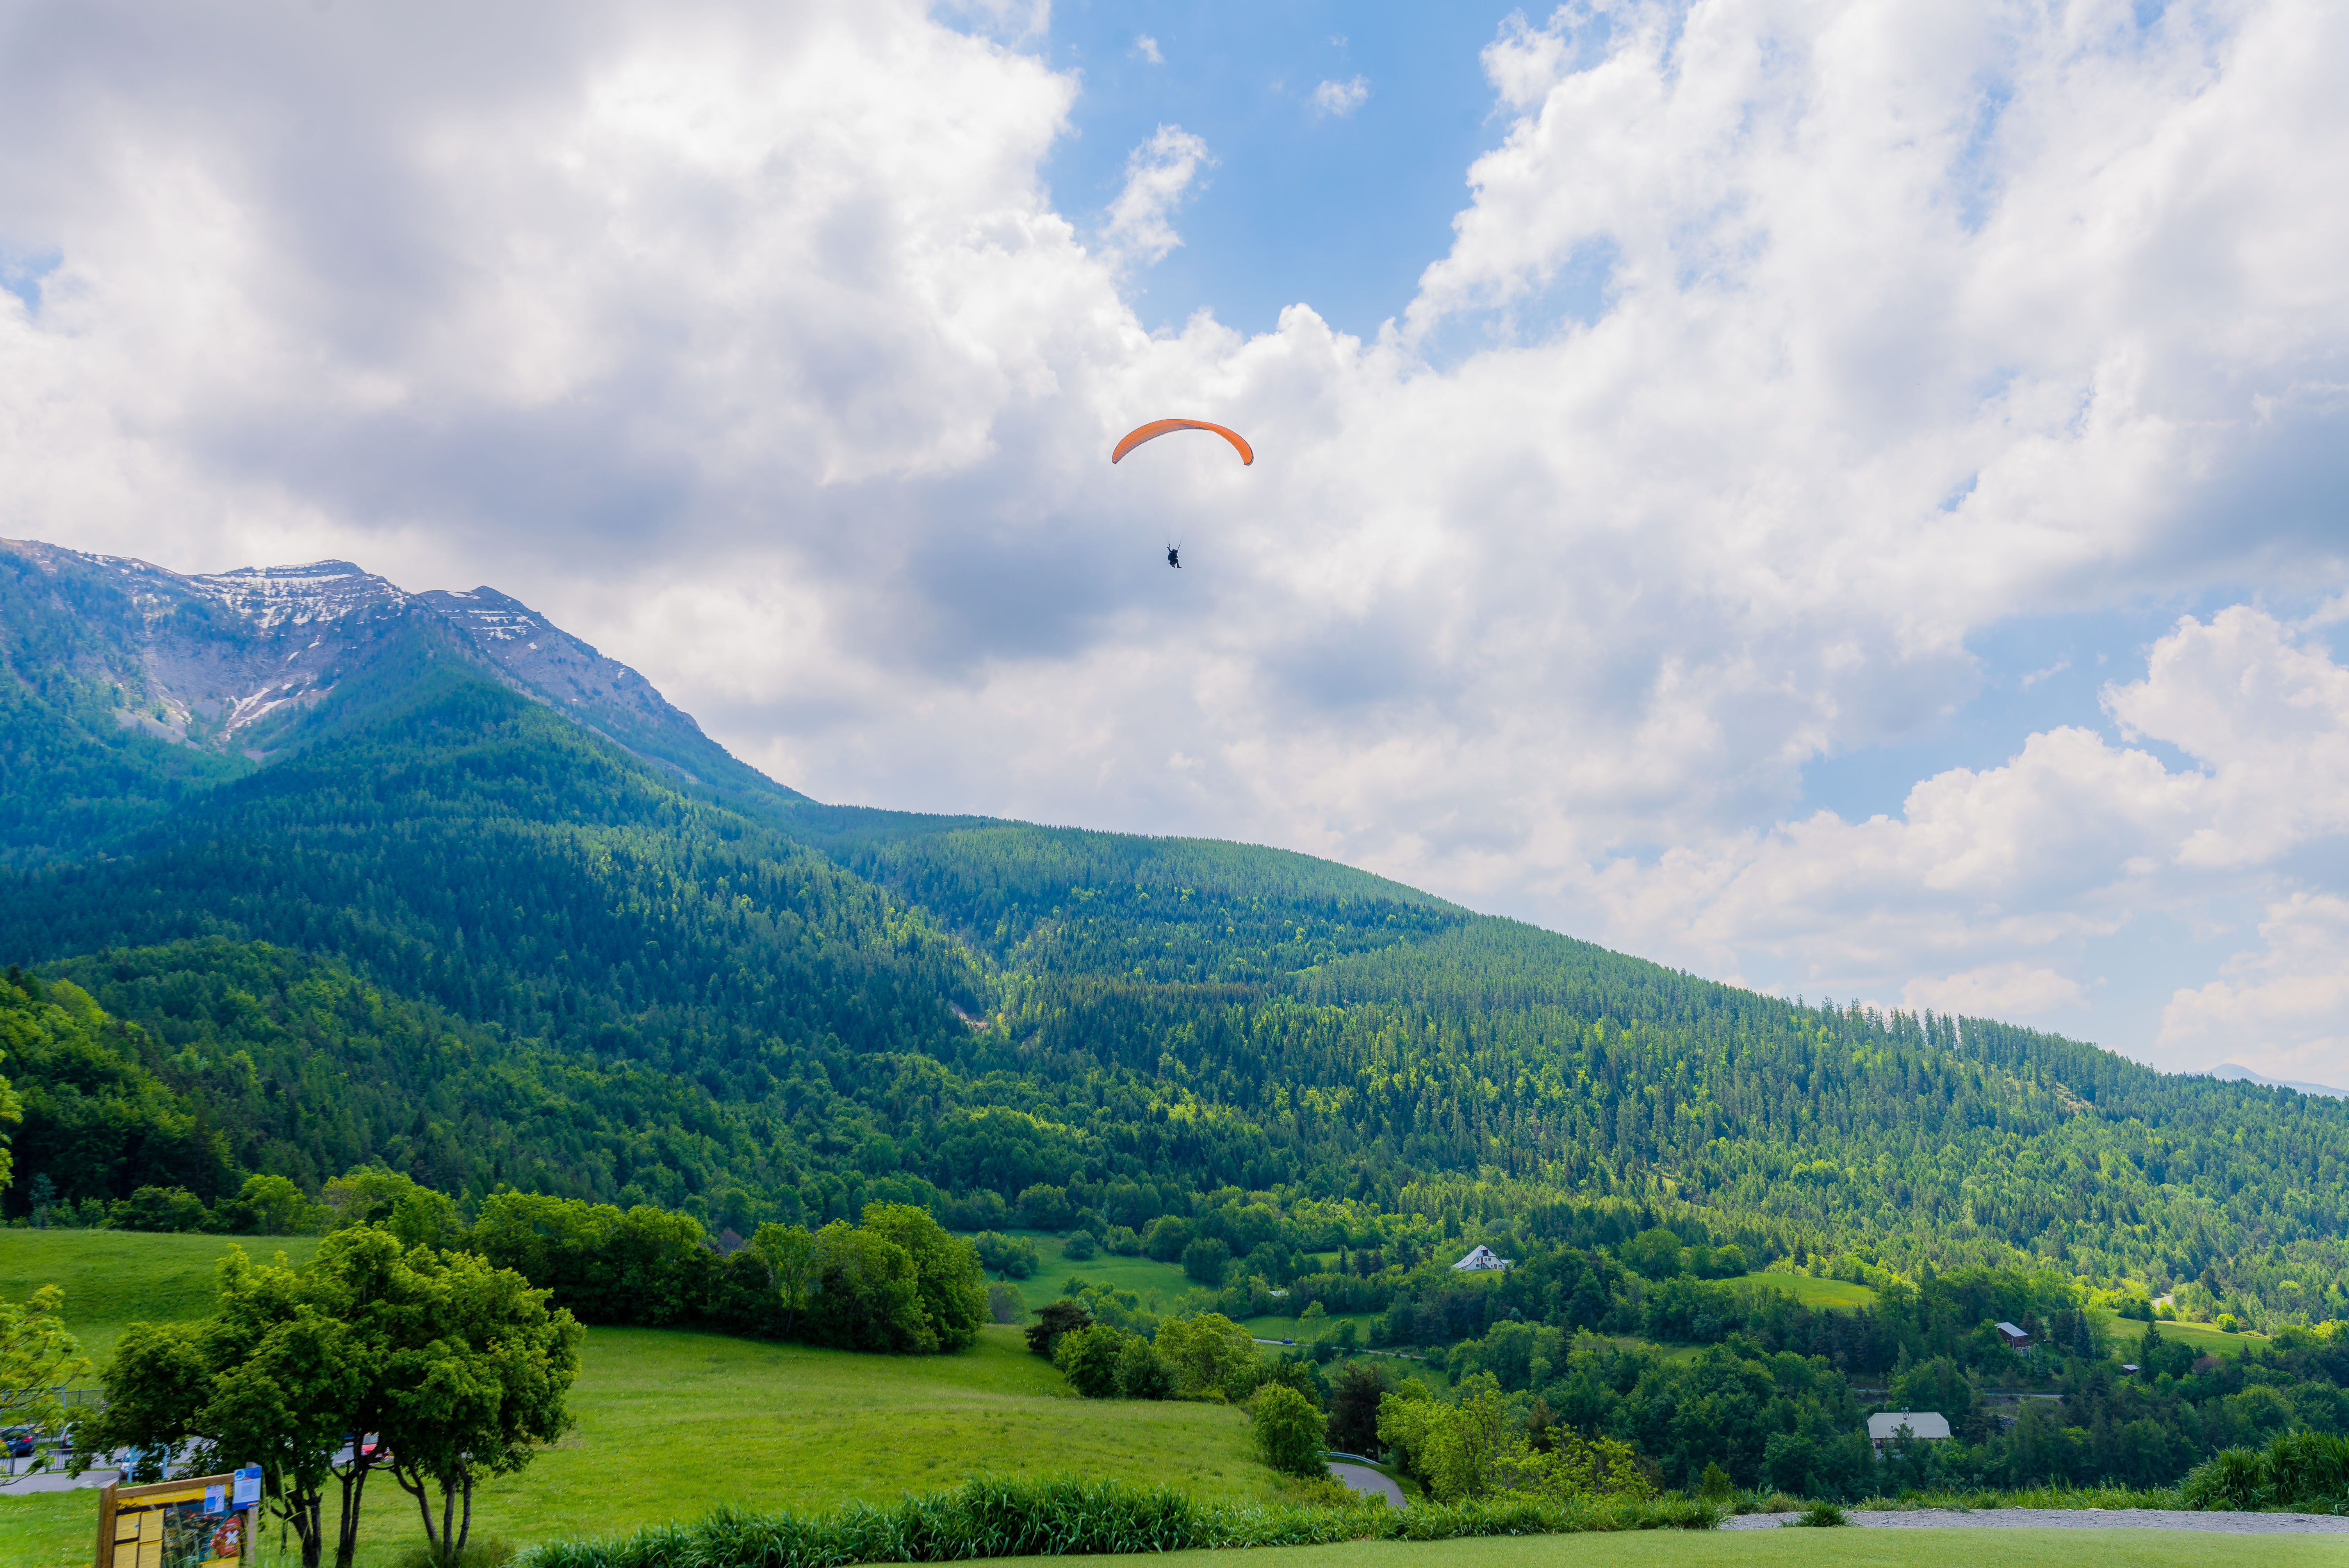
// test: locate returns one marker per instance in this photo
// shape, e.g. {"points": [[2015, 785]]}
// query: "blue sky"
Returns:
{"points": [[1341, 210]]}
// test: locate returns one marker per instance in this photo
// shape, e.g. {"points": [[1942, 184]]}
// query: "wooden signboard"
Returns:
{"points": [[196, 1523]]}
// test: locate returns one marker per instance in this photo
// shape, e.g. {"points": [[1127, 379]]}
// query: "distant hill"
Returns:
{"points": [[450, 891], [2230, 1073]]}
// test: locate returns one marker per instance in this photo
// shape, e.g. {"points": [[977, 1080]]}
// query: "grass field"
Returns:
{"points": [[1162, 1287], [2205, 1337], [671, 1423], [1306, 1331], [114, 1278], [1827, 1292]]}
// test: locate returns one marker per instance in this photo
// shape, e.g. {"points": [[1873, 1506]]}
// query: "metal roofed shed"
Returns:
{"points": [[2016, 1338], [1925, 1426], [1483, 1257]]}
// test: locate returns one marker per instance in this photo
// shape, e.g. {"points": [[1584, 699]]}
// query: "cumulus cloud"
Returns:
{"points": [[1341, 98], [2009, 871], [1158, 175], [1778, 351], [1147, 47], [2285, 1006]]}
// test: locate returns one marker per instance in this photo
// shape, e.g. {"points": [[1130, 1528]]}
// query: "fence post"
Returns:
{"points": [[106, 1523]]}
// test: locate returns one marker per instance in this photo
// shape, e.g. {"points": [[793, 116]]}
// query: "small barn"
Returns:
{"points": [[2014, 1337], [1483, 1257], [1925, 1426]]}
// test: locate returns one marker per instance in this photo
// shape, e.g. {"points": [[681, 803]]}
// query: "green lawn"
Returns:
{"points": [[1827, 1292], [114, 1278]]}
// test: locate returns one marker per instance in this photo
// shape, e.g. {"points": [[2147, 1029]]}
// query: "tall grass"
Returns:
{"points": [[1067, 1516], [2308, 1471]]}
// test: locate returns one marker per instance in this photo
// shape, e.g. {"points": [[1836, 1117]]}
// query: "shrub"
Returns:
{"points": [[1065, 1516], [1820, 1516], [1143, 1373], [1290, 1432], [1013, 1257], [1210, 1355], [1088, 1358], [1080, 1245], [1054, 1319], [1122, 1241], [1003, 1304], [1715, 1486], [161, 1209]]}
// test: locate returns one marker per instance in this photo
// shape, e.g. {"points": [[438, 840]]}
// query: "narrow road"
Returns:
{"points": [[1367, 1482], [2069, 1518]]}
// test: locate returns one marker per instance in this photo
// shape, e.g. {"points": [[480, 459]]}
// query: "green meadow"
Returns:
{"points": [[1826, 1292], [1162, 1287], [2206, 1337], [1306, 1330], [112, 1278], [671, 1423]]}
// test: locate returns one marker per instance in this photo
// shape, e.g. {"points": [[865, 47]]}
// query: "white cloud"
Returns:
{"points": [[2008, 990], [2010, 871], [1147, 47], [1158, 175], [2271, 719], [2035, 677], [2282, 1010], [1341, 98], [749, 343]]}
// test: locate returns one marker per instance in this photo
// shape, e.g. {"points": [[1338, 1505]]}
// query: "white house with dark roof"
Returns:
{"points": [[1923, 1424], [1483, 1257]]}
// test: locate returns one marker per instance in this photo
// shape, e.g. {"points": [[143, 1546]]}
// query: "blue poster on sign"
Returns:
{"points": [[248, 1486]]}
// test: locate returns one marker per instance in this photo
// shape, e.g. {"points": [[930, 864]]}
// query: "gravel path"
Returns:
{"points": [[2071, 1519]]}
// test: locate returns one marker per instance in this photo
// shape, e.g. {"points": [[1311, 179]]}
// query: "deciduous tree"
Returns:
{"points": [[1289, 1431], [479, 1382], [38, 1358]]}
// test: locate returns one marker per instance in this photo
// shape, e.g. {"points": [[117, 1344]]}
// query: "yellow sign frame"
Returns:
{"points": [[135, 1523]]}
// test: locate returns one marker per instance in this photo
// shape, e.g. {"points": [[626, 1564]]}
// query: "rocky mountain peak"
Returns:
{"points": [[235, 661], [274, 596]]}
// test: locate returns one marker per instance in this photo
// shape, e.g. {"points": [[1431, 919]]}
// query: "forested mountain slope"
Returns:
{"points": [[443, 921]]}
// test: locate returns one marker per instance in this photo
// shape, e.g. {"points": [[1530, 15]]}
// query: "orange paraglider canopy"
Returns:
{"points": [[1157, 428]]}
